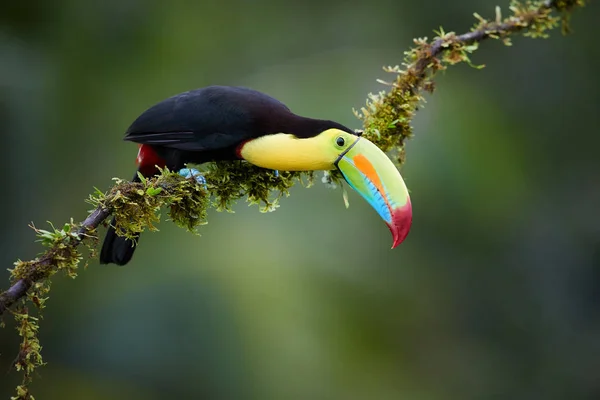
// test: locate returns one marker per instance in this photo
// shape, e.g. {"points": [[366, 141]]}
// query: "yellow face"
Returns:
{"points": [[286, 152]]}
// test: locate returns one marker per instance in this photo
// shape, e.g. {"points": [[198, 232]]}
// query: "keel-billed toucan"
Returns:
{"points": [[233, 123]]}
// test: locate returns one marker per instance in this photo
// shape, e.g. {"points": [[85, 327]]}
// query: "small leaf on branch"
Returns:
{"points": [[153, 191]]}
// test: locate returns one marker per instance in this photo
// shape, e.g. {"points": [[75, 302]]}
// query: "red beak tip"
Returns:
{"points": [[397, 241], [401, 223]]}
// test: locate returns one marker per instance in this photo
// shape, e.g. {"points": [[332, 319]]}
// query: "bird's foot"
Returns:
{"points": [[188, 173]]}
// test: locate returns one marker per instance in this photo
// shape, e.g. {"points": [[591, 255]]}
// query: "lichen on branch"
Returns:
{"points": [[136, 206]]}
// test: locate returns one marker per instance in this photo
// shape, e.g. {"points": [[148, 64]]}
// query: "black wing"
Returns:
{"points": [[207, 119]]}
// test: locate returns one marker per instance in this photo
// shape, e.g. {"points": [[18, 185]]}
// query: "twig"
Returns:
{"points": [[483, 32], [21, 286], [387, 116]]}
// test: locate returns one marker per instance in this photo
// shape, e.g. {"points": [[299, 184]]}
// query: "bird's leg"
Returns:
{"points": [[188, 173], [276, 172]]}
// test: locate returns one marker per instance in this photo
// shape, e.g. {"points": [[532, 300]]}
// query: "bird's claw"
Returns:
{"points": [[189, 173]]}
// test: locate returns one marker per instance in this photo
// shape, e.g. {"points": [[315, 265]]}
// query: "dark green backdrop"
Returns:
{"points": [[494, 295]]}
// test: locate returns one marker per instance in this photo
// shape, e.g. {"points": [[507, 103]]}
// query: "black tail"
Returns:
{"points": [[117, 249]]}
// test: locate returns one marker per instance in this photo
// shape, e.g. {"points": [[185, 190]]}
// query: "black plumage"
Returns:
{"points": [[208, 124]]}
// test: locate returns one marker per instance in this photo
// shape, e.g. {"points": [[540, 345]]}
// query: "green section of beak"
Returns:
{"points": [[370, 172]]}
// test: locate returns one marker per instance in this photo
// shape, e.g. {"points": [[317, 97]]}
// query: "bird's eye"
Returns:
{"points": [[340, 141]]}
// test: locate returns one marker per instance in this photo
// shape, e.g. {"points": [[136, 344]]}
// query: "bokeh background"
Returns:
{"points": [[495, 294]]}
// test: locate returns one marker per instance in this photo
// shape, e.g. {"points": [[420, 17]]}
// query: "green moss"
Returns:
{"points": [[188, 207], [565, 7], [29, 357], [230, 181], [22, 393], [62, 255], [136, 205]]}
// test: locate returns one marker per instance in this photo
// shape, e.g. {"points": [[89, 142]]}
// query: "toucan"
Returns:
{"points": [[218, 123]]}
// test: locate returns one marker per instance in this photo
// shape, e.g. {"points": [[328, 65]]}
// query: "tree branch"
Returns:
{"points": [[21, 286], [387, 116], [135, 207], [488, 29]]}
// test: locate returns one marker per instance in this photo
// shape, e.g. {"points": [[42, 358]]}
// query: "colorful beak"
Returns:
{"points": [[372, 174]]}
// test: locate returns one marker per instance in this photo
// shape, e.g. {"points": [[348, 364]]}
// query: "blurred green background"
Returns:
{"points": [[494, 295]]}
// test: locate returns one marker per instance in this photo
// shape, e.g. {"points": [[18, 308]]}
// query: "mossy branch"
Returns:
{"points": [[387, 115], [136, 207], [27, 273], [386, 121]]}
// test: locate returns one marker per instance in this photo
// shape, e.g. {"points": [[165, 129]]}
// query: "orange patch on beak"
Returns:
{"points": [[365, 166]]}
